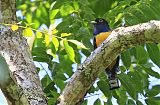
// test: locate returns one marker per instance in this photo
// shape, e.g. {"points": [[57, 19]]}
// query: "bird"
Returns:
{"points": [[101, 33]]}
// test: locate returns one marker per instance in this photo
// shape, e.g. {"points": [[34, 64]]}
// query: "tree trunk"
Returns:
{"points": [[19, 81]]}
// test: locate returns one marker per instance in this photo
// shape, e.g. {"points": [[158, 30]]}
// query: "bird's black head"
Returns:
{"points": [[100, 25], [100, 21]]}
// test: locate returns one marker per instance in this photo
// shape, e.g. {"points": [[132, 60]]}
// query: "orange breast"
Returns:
{"points": [[102, 37]]}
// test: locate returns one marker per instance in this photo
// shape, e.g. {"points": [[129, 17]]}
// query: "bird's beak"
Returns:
{"points": [[93, 22]]}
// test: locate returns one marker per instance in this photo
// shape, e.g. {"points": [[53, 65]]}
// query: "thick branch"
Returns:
{"points": [[119, 40]]}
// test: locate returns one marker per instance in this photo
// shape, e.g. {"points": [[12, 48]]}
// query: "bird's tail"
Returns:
{"points": [[113, 80]]}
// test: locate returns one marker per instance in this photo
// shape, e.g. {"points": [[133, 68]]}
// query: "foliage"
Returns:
{"points": [[64, 45]]}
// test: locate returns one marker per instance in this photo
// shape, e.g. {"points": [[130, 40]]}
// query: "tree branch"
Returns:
{"points": [[120, 39]]}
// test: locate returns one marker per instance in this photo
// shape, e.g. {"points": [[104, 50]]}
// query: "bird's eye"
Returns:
{"points": [[100, 20]]}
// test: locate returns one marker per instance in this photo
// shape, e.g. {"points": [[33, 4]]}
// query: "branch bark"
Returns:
{"points": [[22, 86], [120, 39]]}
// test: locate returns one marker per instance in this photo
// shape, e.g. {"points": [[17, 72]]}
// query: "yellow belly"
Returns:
{"points": [[102, 37]]}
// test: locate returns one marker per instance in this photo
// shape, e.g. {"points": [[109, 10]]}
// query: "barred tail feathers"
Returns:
{"points": [[113, 80]]}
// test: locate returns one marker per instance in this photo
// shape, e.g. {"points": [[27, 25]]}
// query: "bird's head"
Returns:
{"points": [[100, 25]]}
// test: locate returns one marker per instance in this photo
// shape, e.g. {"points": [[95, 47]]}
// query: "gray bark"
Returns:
{"points": [[21, 85], [120, 39]]}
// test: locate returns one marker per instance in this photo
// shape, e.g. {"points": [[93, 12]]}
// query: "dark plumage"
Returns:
{"points": [[101, 32]]}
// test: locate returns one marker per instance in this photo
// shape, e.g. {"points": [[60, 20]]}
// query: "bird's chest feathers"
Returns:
{"points": [[101, 37]]}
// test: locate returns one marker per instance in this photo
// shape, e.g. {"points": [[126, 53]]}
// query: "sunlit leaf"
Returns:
{"points": [[49, 51], [14, 27], [54, 31], [78, 43], [47, 39], [76, 5], [69, 50], [119, 16], [55, 42], [53, 13], [28, 32], [38, 34], [66, 9], [65, 34]]}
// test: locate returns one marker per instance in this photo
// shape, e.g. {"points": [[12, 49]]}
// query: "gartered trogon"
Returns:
{"points": [[101, 32]]}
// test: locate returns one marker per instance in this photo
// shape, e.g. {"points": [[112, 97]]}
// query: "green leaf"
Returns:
{"points": [[78, 43], [109, 102], [139, 102], [151, 72], [65, 66], [104, 87], [69, 50], [126, 82], [141, 55], [153, 92], [60, 83], [45, 81], [50, 87], [131, 102], [76, 5], [53, 100], [100, 8], [84, 102], [60, 75], [143, 75], [148, 65], [53, 13], [97, 102], [122, 96], [151, 101], [41, 59], [126, 58], [66, 9], [154, 53], [119, 16], [137, 80], [91, 90]]}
